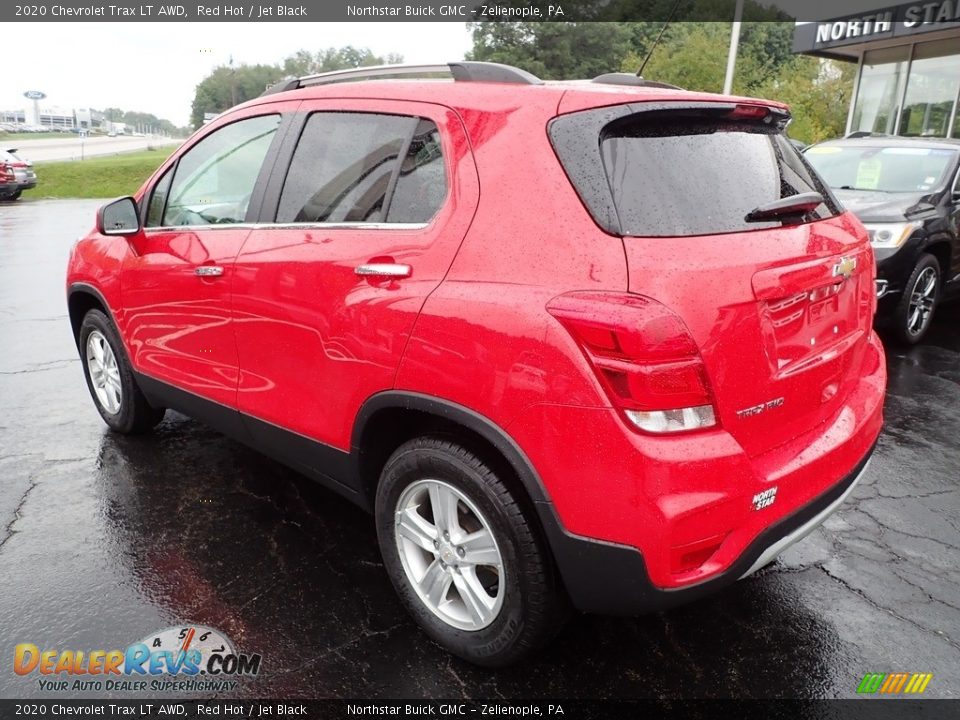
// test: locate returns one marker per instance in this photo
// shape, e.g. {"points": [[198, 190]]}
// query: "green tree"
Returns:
{"points": [[691, 55], [227, 86], [694, 56], [553, 51], [303, 62], [818, 92]]}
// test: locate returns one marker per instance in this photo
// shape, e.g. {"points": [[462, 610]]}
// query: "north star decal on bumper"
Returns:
{"points": [[764, 499]]}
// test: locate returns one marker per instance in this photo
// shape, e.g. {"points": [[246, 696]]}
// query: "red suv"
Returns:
{"points": [[603, 344]]}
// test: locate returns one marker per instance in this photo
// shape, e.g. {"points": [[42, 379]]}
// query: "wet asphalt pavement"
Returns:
{"points": [[105, 539]]}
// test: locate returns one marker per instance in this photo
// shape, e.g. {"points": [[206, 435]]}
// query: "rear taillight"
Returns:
{"points": [[643, 355]]}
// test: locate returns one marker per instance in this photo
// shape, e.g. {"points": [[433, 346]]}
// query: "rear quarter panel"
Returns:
{"points": [[484, 338]]}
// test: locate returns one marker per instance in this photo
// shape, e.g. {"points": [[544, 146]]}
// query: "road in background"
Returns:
{"points": [[105, 539], [71, 149]]}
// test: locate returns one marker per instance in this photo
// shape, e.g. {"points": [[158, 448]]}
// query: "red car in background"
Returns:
{"points": [[604, 344], [8, 181]]}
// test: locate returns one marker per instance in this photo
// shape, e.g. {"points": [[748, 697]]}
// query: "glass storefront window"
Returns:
{"points": [[880, 88], [931, 89]]}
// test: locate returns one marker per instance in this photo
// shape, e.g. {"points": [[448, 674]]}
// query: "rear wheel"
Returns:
{"points": [[110, 379], [462, 554], [921, 293]]}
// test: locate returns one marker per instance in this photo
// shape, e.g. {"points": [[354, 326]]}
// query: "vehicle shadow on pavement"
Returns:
{"points": [[292, 571]]}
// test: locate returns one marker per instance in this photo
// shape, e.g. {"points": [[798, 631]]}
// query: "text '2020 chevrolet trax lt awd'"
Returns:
{"points": [[602, 344]]}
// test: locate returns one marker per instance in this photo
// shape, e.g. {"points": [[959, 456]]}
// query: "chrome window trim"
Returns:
{"points": [[292, 226]]}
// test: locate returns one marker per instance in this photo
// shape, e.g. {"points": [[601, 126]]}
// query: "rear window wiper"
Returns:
{"points": [[786, 207]]}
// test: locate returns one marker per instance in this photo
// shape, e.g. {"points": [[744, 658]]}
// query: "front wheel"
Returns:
{"points": [[110, 379], [921, 293], [463, 554]]}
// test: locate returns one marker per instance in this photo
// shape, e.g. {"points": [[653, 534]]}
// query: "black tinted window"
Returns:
{"points": [[345, 163], [342, 167], [679, 175], [422, 184]]}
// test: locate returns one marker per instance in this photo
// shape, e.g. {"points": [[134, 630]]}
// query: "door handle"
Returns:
{"points": [[383, 270], [208, 271]]}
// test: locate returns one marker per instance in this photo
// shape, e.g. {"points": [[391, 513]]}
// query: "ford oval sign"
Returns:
{"points": [[34, 95]]}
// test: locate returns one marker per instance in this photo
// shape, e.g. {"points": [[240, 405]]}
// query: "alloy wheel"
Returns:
{"points": [[450, 555], [923, 296], [104, 373]]}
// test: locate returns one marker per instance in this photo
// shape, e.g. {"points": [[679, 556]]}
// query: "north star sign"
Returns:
{"points": [[908, 19]]}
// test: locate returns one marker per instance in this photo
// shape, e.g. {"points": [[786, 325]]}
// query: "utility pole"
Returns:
{"points": [[734, 44]]}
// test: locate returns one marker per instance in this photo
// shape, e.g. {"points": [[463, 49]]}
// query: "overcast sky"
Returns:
{"points": [[154, 67]]}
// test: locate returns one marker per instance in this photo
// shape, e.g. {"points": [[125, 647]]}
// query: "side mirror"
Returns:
{"points": [[119, 217]]}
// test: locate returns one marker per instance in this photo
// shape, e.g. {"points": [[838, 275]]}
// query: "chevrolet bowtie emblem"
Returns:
{"points": [[845, 267]]}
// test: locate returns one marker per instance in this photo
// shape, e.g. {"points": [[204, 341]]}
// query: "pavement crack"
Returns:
{"points": [[41, 367], [886, 528], [9, 530], [873, 603], [456, 677], [337, 650]]}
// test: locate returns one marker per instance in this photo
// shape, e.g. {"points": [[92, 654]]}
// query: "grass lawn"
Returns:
{"points": [[98, 177], [7, 138]]}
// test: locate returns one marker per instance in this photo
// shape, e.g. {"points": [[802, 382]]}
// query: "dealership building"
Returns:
{"points": [[908, 66]]}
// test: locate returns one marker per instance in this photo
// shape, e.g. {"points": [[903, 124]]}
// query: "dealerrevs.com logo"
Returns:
{"points": [[187, 658], [894, 683]]}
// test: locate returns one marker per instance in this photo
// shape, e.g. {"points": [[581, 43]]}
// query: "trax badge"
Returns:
{"points": [[761, 408], [845, 267]]}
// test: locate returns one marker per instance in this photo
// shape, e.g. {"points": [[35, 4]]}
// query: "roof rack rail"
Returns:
{"points": [[623, 78], [863, 134], [463, 71]]}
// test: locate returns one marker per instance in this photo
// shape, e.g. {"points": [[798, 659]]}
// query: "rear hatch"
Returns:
{"points": [[779, 303]]}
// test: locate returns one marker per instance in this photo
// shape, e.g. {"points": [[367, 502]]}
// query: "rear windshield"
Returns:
{"points": [[680, 175], [884, 169]]}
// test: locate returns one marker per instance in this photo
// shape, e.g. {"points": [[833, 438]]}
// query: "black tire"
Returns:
{"points": [[905, 327], [15, 196], [533, 603], [135, 415]]}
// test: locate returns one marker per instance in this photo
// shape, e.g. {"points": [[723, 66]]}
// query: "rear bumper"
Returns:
{"points": [[638, 523], [612, 579]]}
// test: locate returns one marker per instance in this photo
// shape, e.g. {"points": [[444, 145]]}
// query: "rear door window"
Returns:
{"points": [[364, 168], [421, 184], [682, 176]]}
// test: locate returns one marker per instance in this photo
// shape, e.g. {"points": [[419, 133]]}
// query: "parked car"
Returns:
{"points": [[8, 182], [23, 169], [906, 191], [603, 344]]}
